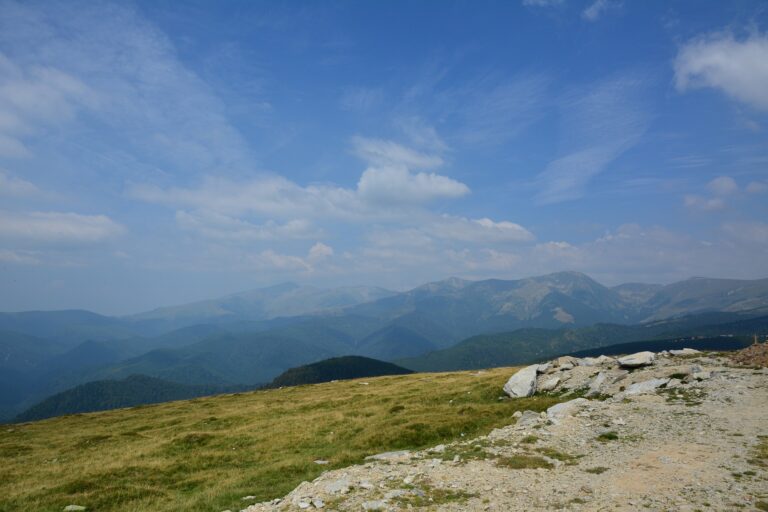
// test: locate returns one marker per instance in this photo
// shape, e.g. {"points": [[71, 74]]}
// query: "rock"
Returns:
{"points": [[637, 360], [565, 362], [318, 503], [248, 498], [397, 455], [596, 384], [527, 419], [587, 361], [549, 384], [73, 508], [304, 504], [703, 375], [647, 386], [321, 462], [605, 360], [673, 383], [438, 449], [563, 410], [374, 505], [523, 383], [517, 414], [544, 368], [684, 352], [340, 486]]}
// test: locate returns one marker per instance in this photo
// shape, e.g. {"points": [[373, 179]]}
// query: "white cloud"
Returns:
{"points": [[597, 9], [396, 185], [18, 257], [739, 68], [384, 153], [57, 227], [757, 187], [543, 3], [319, 251], [32, 97], [723, 186], [16, 187], [696, 202], [482, 230], [217, 226]]}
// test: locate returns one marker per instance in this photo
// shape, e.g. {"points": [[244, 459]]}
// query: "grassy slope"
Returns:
{"points": [[207, 453]]}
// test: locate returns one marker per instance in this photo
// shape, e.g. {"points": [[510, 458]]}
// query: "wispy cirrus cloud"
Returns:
{"points": [[54, 227], [601, 123]]}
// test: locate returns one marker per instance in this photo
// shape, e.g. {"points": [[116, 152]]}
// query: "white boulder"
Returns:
{"points": [[523, 383], [549, 384], [684, 352], [637, 360]]}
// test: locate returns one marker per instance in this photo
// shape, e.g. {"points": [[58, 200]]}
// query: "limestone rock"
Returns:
{"points": [[391, 456], [523, 383], [596, 384], [647, 386], [684, 352], [527, 419], [565, 362], [563, 410], [73, 508], [637, 360], [549, 384]]}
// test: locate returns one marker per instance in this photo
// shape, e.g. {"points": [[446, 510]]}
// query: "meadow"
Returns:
{"points": [[206, 454]]}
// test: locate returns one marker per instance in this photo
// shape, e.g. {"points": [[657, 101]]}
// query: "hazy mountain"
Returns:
{"points": [[275, 301], [337, 368], [529, 345], [637, 293], [703, 294]]}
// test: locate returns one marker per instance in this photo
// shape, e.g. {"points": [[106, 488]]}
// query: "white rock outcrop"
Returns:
{"points": [[523, 383], [647, 386]]}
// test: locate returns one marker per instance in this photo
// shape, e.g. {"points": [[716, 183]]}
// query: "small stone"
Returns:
{"points": [[321, 462], [248, 498], [374, 505], [702, 375], [318, 503], [304, 504], [73, 508], [684, 352]]}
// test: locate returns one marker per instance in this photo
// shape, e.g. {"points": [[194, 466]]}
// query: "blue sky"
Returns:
{"points": [[162, 152]]}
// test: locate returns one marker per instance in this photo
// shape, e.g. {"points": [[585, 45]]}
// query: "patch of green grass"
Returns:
{"points": [[760, 453], [523, 462], [432, 496], [599, 470], [529, 439], [558, 455], [205, 454], [607, 436], [762, 505]]}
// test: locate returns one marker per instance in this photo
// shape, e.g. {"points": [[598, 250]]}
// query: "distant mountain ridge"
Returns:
{"points": [[251, 337]]}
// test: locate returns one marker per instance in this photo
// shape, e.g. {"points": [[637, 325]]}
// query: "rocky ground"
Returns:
{"points": [[682, 431]]}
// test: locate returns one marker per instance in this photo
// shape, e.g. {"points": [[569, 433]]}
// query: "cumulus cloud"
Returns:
{"points": [[57, 227], [394, 185], [723, 186], [739, 68]]}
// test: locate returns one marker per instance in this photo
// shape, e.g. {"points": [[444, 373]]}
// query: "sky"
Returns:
{"points": [[157, 153]]}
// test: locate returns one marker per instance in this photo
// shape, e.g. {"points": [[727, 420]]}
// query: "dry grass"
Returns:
{"points": [[207, 453]]}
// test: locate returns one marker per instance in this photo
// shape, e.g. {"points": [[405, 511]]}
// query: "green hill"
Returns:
{"points": [[337, 368]]}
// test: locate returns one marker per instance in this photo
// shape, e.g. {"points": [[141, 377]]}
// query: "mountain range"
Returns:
{"points": [[249, 338]]}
